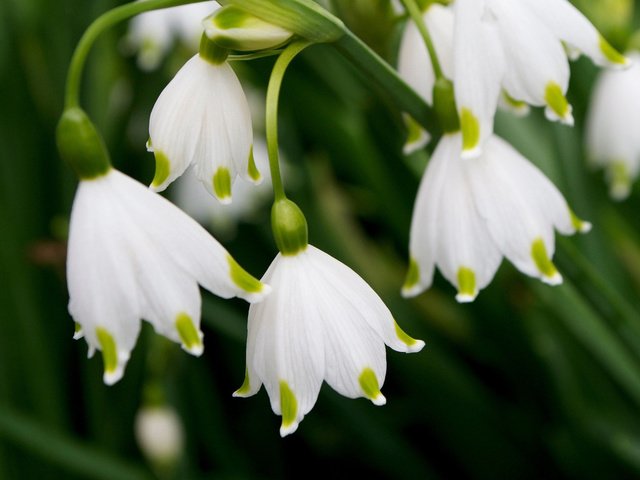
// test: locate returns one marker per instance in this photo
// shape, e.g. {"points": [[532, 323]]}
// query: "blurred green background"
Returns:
{"points": [[528, 382]]}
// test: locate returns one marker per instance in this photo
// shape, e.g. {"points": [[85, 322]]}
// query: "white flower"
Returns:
{"points": [[131, 255], [320, 322], [518, 46], [160, 434], [153, 33], [613, 141], [202, 118], [469, 213]]}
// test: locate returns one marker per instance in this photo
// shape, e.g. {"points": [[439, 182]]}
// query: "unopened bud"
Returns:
{"points": [[160, 435], [235, 29]]}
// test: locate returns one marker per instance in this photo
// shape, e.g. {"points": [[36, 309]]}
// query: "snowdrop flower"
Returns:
{"points": [[202, 118], [613, 139], [131, 255], [320, 322], [520, 46], [153, 33], [414, 65], [469, 213]]}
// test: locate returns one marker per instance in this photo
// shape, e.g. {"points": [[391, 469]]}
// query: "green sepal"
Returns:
{"points": [[289, 227], [81, 146], [302, 17], [212, 52]]}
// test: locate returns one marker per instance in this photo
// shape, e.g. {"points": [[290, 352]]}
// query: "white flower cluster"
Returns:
{"points": [[133, 255], [479, 199]]}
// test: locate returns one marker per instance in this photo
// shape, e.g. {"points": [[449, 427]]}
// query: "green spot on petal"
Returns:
{"points": [[466, 282], [556, 100], [470, 129], [542, 260], [414, 130], [109, 352], [222, 183], [369, 384], [413, 275], [288, 405], [78, 328], [242, 279], [245, 388], [403, 337], [188, 333], [611, 53], [517, 105], [254, 174], [163, 168]]}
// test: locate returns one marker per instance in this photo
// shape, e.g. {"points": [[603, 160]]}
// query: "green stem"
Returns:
{"points": [[414, 12], [271, 124], [102, 23]]}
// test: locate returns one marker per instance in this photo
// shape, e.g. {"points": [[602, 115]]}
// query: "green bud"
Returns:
{"points": [[444, 104], [289, 227], [302, 17], [235, 29], [81, 146]]}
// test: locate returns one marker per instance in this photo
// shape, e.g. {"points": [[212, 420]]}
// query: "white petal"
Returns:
{"points": [[289, 346], [537, 67], [569, 25], [182, 240], [465, 251], [521, 207], [478, 71], [425, 219], [175, 124], [363, 300], [102, 287]]}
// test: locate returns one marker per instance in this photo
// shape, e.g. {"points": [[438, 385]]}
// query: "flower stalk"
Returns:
{"points": [[416, 16], [102, 23]]}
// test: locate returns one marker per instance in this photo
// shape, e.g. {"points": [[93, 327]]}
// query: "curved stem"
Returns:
{"points": [[271, 123], [414, 12], [102, 23]]}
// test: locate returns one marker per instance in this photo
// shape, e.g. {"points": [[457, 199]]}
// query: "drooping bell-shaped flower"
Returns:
{"points": [[132, 255], [202, 118], [613, 142], [521, 47], [471, 212], [321, 322]]}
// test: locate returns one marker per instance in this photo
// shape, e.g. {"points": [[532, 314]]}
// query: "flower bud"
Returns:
{"points": [[289, 227], [235, 29], [81, 146], [160, 435]]}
